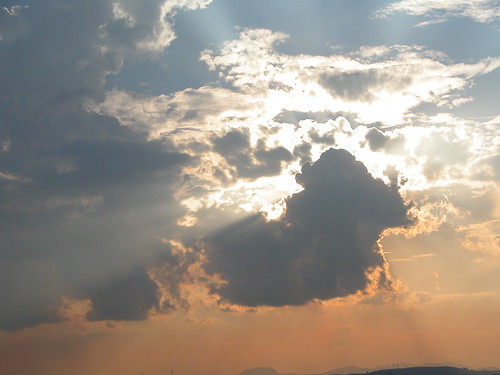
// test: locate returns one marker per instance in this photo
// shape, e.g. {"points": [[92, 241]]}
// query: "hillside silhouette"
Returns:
{"points": [[440, 370], [416, 370]]}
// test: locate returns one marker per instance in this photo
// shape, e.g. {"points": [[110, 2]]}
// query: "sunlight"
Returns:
{"points": [[274, 211], [263, 194]]}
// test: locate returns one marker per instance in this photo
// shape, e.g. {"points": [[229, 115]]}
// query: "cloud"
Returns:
{"points": [[484, 11], [376, 84], [186, 112], [483, 240], [75, 45], [325, 245], [487, 168], [357, 85], [94, 182], [250, 162], [27, 290], [127, 297], [279, 98], [287, 103], [84, 200], [376, 139], [88, 233]]}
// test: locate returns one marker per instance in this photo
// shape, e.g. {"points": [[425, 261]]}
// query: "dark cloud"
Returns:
{"points": [[27, 290], [393, 174], [128, 297], [113, 162], [294, 117], [78, 231], [58, 51], [88, 233], [84, 200], [326, 139], [303, 152], [362, 85], [322, 248], [247, 160], [376, 139], [52, 45]]}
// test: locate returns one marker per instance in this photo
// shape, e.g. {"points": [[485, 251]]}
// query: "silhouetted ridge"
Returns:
{"points": [[353, 370], [443, 370], [260, 371]]}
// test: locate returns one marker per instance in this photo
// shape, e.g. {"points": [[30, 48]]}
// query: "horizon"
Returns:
{"points": [[353, 369], [393, 366], [216, 185]]}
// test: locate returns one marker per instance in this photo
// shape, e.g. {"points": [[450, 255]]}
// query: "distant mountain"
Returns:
{"points": [[262, 371], [349, 370], [340, 371], [402, 369], [406, 365], [444, 370]]}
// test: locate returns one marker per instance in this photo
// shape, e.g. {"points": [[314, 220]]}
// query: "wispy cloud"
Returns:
{"points": [[484, 11]]}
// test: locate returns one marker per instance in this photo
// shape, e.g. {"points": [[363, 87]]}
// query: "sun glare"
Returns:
{"points": [[263, 194]]}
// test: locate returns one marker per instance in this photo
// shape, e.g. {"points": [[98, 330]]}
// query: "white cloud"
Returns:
{"points": [[154, 17], [372, 85], [192, 110], [376, 84], [484, 11]]}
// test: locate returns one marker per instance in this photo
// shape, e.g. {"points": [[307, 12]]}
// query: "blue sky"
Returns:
{"points": [[313, 28]]}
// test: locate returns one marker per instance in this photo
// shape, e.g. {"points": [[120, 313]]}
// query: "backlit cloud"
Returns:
{"points": [[381, 84], [324, 246], [69, 176], [484, 11]]}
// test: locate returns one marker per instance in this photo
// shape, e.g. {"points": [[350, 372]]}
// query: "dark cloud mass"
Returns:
{"points": [[128, 297], [73, 44], [83, 220], [248, 161], [361, 85], [324, 246], [376, 139], [294, 117], [84, 200]]}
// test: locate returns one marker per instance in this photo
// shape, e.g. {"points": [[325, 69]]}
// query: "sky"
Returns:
{"points": [[207, 186]]}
